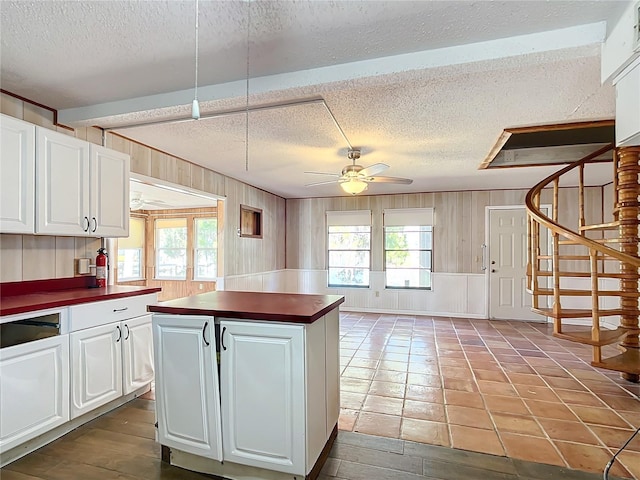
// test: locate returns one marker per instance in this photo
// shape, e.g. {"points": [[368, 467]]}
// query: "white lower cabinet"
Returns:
{"points": [[137, 353], [187, 387], [263, 395], [34, 389], [96, 364]]}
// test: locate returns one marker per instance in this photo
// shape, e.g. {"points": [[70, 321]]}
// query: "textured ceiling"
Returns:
{"points": [[426, 87]]}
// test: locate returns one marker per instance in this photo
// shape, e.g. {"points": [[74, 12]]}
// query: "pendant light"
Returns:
{"points": [[195, 106]]}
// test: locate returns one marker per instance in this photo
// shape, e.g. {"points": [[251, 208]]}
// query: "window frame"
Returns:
{"points": [[158, 249], [418, 250], [349, 219], [141, 251]]}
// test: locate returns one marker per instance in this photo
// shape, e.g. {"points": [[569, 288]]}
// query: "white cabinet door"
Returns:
{"points": [[109, 193], [262, 385], [187, 389], [17, 176], [137, 353], [62, 184], [34, 389], [96, 367]]}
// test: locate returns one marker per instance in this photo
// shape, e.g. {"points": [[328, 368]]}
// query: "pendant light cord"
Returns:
{"points": [[196, 78], [246, 129]]}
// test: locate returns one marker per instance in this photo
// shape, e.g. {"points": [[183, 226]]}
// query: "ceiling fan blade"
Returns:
{"points": [[403, 181], [324, 173], [372, 170], [321, 183]]}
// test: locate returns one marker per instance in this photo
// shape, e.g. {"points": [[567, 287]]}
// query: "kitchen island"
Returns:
{"points": [[247, 383]]}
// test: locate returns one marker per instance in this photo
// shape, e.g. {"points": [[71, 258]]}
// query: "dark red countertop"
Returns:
{"points": [[22, 297], [279, 307]]}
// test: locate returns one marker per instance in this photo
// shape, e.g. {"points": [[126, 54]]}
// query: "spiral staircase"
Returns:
{"points": [[586, 278]]}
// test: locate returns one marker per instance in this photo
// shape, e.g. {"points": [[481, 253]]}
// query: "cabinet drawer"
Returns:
{"points": [[100, 313]]}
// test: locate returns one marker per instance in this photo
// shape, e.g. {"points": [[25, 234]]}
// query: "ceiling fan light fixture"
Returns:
{"points": [[354, 186]]}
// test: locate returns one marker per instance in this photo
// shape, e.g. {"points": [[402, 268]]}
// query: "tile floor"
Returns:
{"points": [[500, 387]]}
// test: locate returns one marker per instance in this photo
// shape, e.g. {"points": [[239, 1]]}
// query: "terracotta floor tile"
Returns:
{"points": [[424, 368], [496, 403], [535, 392], [424, 394], [550, 410], [476, 440], [358, 372], [532, 449], [525, 425], [424, 380], [631, 461], [355, 385], [616, 437], [525, 379], [463, 399], [485, 366], [387, 389], [387, 405], [569, 431], [393, 366], [378, 424], [589, 458], [496, 388], [491, 375], [599, 416], [456, 372], [424, 411], [347, 419], [424, 431], [573, 397], [618, 403], [470, 417], [460, 385], [390, 376], [518, 368], [352, 400], [565, 383]]}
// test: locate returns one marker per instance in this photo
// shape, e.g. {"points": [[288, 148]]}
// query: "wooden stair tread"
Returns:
{"points": [[587, 274], [597, 240], [586, 293], [627, 362], [601, 226], [583, 313], [575, 257], [583, 334]]}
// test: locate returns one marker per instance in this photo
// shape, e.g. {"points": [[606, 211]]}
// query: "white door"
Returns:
{"points": [[187, 388], [262, 385], [96, 367], [508, 296], [109, 193], [137, 353], [62, 166], [34, 389], [17, 176]]}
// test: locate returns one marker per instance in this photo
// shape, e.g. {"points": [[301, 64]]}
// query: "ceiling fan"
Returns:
{"points": [[137, 202], [355, 179]]}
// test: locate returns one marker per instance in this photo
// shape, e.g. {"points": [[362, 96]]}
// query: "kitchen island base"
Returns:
{"points": [[234, 471]]}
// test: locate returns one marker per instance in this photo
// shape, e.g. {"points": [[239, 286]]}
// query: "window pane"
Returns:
{"points": [[348, 258], [408, 259], [350, 241], [408, 237], [206, 267], [171, 248], [408, 278], [129, 264], [206, 232], [349, 277]]}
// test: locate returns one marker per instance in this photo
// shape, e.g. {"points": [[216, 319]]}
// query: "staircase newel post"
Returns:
{"points": [[628, 189]]}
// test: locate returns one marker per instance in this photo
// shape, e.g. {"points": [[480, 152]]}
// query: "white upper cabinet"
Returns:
{"points": [[17, 176], [62, 184], [109, 206], [628, 107], [82, 189]]}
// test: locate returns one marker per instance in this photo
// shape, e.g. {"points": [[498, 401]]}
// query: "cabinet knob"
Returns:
{"points": [[95, 225], [86, 219], [203, 337]]}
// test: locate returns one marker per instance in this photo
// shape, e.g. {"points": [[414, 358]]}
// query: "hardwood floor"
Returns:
{"points": [[121, 445]]}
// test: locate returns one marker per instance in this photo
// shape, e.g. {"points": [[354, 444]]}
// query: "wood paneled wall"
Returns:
{"points": [[242, 255], [459, 228]]}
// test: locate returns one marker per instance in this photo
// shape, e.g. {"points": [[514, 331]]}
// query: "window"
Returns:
{"points": [[408, 248], [130, 252], [349, 252], [171, 249], [206, 249]]}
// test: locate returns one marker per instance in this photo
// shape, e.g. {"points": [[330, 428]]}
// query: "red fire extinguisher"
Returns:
{"points": [[101, 268]]}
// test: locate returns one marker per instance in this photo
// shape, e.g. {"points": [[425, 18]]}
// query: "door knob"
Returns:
{"points": [[493, 262], [493, 270]]}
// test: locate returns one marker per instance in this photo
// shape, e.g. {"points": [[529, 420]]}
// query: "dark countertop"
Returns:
{"points": [[278, 307], [40, 300]]}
